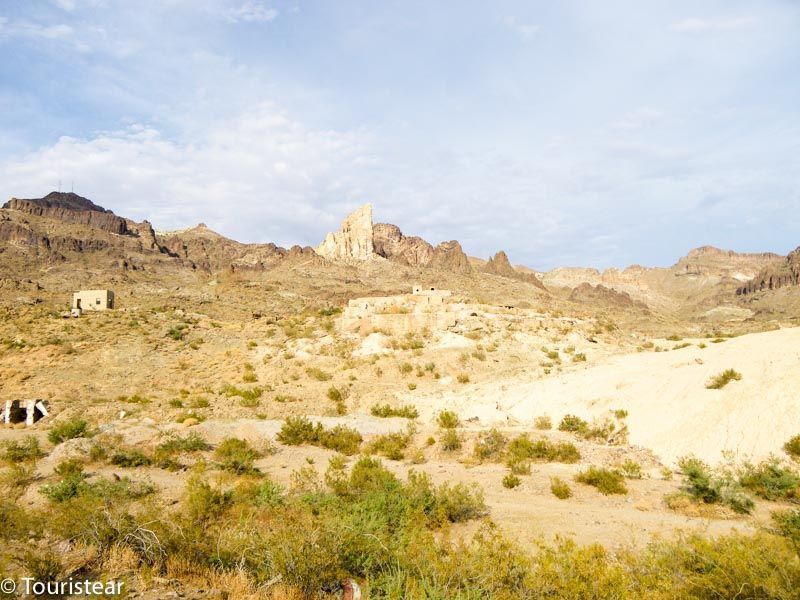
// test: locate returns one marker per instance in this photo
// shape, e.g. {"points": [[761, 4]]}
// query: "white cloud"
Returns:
{"points": [[698, 25], [251, 11], [526, 30], [258, 176]]}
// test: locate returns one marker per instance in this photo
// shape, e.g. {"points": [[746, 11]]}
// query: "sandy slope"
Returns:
{"points": [[670, 410]]}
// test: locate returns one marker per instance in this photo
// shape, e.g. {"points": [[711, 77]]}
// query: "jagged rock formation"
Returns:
{"points": [[500, 265], [70, 208], [207, 250], [353, 241], [600, 294], [449, 256], [389, 242], [782, 274]]}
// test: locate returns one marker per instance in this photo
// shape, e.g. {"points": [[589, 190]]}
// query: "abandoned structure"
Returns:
{"points": [[24, 411], [423, 308], [88, 300]]}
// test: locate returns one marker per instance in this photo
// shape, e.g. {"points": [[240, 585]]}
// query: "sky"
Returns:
{"points": [[571, 133]]}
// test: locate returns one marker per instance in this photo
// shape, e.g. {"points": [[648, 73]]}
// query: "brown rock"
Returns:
{"points": [[449, 256], [389, 242], [353, 241]]}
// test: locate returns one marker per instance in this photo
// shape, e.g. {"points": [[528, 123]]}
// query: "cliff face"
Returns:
{"points": [[70, 208], [353, 241], [389, 242], [449, 256], [782, 274]]}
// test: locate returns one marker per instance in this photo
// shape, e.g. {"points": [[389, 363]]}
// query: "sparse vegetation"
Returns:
{"points": [[720, 381], [543, 423], [74, 428], [511, 481], [607, 481], [792, 447], [385, 410], [447, 419], [299, 430], [560, 488], [237, 456]]}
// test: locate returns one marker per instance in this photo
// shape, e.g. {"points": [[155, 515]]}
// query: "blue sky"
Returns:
{"points": [[567, 133]]}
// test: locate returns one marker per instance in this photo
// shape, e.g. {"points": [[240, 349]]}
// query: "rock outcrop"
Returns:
{"points": [[389, 242], [70, 208], [501, 266], [785, 273], [353, 241], [448, 256], [600, 294]]}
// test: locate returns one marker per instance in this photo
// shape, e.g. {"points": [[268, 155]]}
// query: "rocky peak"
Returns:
{"points": [[500, 265], [389, 242], [449, 256], [66, 200], [776, 275], [353, 241]]}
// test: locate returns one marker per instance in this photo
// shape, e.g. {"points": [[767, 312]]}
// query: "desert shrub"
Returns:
{"points": [[450, 440], [770, 480], [390, 445], [573, 424], [543, 423], [165, 453], [405, 368], [447, 419], [341, 439], [792, 447], [335, 395], [462, 378], [490, 445], [511, 481], [705, 485], [560, 488], [406, 411], [788, 524], [203, 502], [25, 450], [720, 381], [74, 428], [237, 456], [318, 374], [249, 396], [631, 469], [606, 481], [579, 357], [522, 448], [299, 430], [178, 332], [460, 502], [130, 457]]}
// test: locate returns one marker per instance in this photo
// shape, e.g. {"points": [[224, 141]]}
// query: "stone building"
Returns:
{"points": [[424, 308], [89, 300]]}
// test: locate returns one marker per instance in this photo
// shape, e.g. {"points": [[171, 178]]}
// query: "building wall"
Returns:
{"points": [[91, 300]]}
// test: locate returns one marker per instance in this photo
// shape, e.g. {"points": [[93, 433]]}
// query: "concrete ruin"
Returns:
{"points": [[424, 308], [92, 300], [24, 411]]}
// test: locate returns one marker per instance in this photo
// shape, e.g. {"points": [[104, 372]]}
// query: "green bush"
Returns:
{"points": [[710, 487], [130, 457], [770, 480], [523, 448], [249, 397], [543, 423], [792, 447], [237, 456], [390, 445], [788, 525], [74, 428], [631, 469], [490, 445], [406, 411], [447, 419], [299, 430], [450, 440], [26, 450], [511, 481], [720, 381], [560, 488], [573, 424], [606, 481]]}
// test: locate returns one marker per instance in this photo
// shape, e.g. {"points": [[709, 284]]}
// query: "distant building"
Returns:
{"points": [[87, 300]]}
